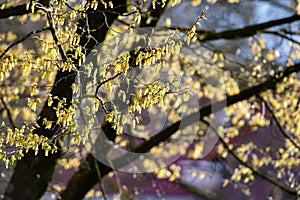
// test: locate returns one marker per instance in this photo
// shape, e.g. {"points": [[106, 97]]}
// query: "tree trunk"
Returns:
{"points": [[33, 173]]}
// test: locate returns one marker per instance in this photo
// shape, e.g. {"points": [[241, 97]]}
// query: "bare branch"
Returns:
{"points": [[208, 35], [30, 166], [169, 131], [284, 133], [22, 39], [248, 30], [14, 11], [9, 115], [253, 169], [20, 9], [55, 37], [283, 36], [207, 110]]}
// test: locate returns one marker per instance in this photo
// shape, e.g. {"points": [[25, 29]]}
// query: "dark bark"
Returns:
{"points": [[33, 173], [246, 31], [165, 134], [84, 179], [19, 10], [24, 183], [31, 176], [255, 171], [89, 175], [70, 192]]}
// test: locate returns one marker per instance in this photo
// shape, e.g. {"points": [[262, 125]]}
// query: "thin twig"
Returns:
{"points": [[209, 35], [22, 39], [55, 37], [278, 124], [9, 115], [252, 168], [282, 35], [217, 106]]}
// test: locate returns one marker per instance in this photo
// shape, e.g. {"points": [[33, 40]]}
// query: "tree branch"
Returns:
{"points": [[246, 31], [8, 113], [55, 37], [14, 11], [207, 110], [84, 179], [253, 169], [283, 36], [20, 9], [208, 35], [33, 173], [168, 132], [284, 133], [22, 39]]}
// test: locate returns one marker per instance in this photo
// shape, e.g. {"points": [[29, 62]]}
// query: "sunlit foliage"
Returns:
{"points": [[30, 62]]}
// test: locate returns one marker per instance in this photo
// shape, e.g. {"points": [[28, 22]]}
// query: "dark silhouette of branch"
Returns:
{"points": [[269, 84], [20, 9], [255, 171], [36, 171], [209, 35], [14, 11], [22, 39], [72, 192], [169, 131], [8, 113], [284, 133], [84, 179], [248, 30], [55, 37], [33, 173], [207, 110], [277, 33]]}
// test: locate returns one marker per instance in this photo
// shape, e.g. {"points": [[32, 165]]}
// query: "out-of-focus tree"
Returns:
{"points": [[231, 61]]}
